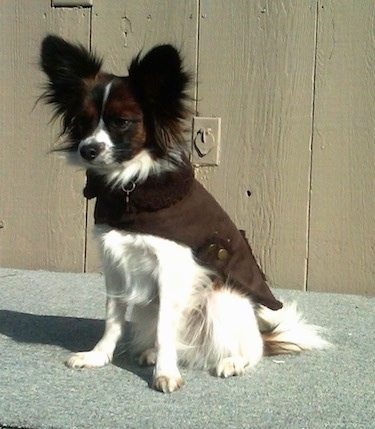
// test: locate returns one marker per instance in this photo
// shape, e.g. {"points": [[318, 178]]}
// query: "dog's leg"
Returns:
{"points": [[144, 320], [148, 357], [236, 340], [175, 281], [167, 377], [102, 353]]}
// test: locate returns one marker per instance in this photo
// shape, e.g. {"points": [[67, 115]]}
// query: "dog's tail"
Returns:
{"points": [[286, 331]]}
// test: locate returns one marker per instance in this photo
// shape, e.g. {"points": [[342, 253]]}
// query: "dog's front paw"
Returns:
{"points": [[92, 359], [148, 357], [167, 383], [231, 366]]}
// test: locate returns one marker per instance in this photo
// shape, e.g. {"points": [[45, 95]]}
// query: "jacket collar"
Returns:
{"points": [[157, 192]]}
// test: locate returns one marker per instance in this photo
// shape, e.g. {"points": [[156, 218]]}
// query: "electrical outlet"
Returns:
{"points": [[206, 140]]}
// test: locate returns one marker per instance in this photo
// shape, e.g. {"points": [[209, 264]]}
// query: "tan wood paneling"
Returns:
{"points": [[40, 199], [121, 31], [293, 83], [256, 63], [342, 232]]}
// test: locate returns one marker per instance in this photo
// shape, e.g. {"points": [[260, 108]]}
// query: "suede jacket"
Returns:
{"points": [[177, 207]]}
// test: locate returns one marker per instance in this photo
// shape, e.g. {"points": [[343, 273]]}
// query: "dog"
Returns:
{"points": [[170, 252]]}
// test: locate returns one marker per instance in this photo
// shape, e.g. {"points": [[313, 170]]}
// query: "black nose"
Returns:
{"points": [[90, 151]]}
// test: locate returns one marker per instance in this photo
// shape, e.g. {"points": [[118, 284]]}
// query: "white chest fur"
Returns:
{"points": [[139, 267]]}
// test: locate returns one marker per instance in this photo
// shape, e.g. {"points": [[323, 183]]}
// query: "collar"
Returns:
{"points": [[155, 193]]}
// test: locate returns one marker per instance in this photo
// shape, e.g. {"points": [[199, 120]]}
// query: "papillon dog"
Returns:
{"points": [[170, 253]]}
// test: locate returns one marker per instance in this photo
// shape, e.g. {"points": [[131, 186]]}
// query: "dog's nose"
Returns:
{"points": [[90, 151]]}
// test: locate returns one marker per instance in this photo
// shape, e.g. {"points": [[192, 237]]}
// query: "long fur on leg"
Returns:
{"points": [[229, 339], [224, 332]]}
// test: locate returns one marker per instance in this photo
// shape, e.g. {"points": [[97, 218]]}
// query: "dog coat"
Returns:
{"points": [[175, 206]]}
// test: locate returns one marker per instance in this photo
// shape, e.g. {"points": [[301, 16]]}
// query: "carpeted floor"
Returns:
{"points": [[45, 315]]}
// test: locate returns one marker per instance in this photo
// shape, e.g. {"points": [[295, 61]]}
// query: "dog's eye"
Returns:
{"points": [[120, 123]]}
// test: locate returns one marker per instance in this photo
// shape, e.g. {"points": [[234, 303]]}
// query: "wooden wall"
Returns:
{"points": [[293, 82]]}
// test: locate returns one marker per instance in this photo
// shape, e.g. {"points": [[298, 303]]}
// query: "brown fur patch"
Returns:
{"points": [[273, 347]]}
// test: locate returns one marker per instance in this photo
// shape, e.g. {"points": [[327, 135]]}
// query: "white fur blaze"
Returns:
{"points": [[286, 331]]}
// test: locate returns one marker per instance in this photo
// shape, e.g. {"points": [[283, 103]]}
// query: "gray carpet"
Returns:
{"points": [[44, 315]]}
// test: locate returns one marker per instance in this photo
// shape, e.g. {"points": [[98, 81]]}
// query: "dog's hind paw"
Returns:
{"points": [[91, 359], [231, 366], [167, 384], [148, 357]]}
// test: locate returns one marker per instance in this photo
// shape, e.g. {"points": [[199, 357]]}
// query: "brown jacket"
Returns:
{"points": [[177, 207]]}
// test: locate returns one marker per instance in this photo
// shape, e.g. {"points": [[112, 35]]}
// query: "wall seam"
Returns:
{"points": [[86, 205], [311, 147], [197, 56]]}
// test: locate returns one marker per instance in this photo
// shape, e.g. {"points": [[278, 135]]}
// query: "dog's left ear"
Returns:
{"points": [[160, 84]]}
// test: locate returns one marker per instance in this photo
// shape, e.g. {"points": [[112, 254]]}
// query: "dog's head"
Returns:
{"points": [[111, 120]]}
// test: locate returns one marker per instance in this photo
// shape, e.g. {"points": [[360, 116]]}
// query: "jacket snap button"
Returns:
{"points": [[222, 254], [211, 248]]}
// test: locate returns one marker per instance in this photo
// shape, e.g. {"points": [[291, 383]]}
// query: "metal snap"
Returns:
{"points": [[222, 254]]}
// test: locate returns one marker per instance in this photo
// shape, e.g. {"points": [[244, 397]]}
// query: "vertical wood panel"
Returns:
{"points": [[41, 203], [256, 65], [256, 71], [119, 32], [342, 235]]}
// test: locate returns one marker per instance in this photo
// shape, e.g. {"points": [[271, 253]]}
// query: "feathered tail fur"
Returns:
{"points": [[286, 331], [235, 334]]}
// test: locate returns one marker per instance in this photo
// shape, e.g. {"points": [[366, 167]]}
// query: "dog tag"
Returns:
{"points": [[128, 189]]}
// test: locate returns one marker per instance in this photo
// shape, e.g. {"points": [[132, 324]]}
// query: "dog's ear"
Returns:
{"points": [[69, 69], [160, 84]]}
